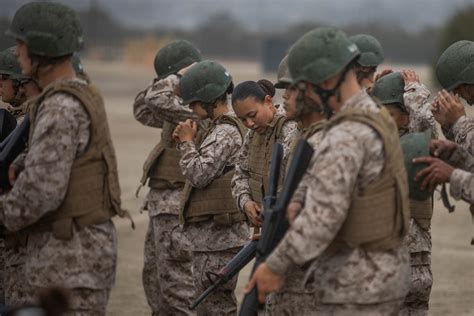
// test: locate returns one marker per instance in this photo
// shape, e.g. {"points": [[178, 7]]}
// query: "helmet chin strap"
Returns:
{"points": [[209, 107], [19, 96], [325, 94], [303, 107]]}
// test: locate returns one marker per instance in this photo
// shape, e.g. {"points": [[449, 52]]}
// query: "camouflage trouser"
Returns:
{"points": [[383, 309], [167, 276], [417, 300], [223, 301], [85, 302], [17, 290], [292, 299]]}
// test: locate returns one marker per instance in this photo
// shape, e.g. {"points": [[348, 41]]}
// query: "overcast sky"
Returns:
{"points": [[269, 14]]}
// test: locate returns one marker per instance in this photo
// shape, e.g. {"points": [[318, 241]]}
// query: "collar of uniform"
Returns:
{"points": [[355, 101], [274, 120]]}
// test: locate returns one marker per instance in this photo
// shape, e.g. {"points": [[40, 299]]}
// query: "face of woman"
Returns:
{"points": [[401, 118], [254, 114], [23, 58], [289, 104], [7, 92], [198, 109]]}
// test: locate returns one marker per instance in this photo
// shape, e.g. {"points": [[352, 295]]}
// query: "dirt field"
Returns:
{"points": [[453, 257]]}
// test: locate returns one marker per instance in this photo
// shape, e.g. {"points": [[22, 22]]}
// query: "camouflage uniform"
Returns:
{"points": [[61, 135], [167, 276], [462, 179], [350, 281], [419, 109], [240, 182], [462, 133], [294, 298], [213, 245], [419, 239]]}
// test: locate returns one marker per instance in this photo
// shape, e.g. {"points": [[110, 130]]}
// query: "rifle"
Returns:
{"points": [[275, 222], [10, 148], [7, 123], [246, 254]]}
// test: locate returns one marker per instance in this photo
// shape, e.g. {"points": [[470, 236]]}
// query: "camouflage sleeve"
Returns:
{"points": [[288, 134], [462, 159], [218, 150], [416, 101], [240, 181], [143, 113], [61, 132], [331, 182], [461, 185], [161, 101], [462, 133]]}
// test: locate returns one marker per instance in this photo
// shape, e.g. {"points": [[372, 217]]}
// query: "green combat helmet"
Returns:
{"points": [[205, 81], [456, 65], [48, 29], [319, 55], [283, 76], [9, 65], [389, 90], [371, 51], [174, 57], [415, 145]]}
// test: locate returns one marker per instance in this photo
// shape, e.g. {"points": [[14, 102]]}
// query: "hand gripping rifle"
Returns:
{"points": [[275, 222], [247, 253]]}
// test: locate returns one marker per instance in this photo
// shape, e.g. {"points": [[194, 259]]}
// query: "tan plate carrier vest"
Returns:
{"points": [[378, 216], [259, 158], [93, 194], [162, 165], [214, 201]]}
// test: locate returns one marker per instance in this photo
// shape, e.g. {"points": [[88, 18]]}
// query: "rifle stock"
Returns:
{"points": [[275, 223]]}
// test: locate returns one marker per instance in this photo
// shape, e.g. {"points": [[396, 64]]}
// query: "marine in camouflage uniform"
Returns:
{"points": [[353, 267], [407, 98], [252, 167], [452, 72], [71, 238], [14, 245], [167, 275], [216, 228], [371, 56], [293, 298], [462, 178]]}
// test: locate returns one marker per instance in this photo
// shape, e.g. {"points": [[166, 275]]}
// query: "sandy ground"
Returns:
{"points": [[453, 257]]}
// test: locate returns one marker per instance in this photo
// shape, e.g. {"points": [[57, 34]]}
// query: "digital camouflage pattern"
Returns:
{"points": [[349, 157], [462, 133], [223, 301], [61, 135], [294, 298], [419, 240], [419, 109], [213, 245], [167, 277], [240, 182], [201, 165], [166, 263], [462, 179]]}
